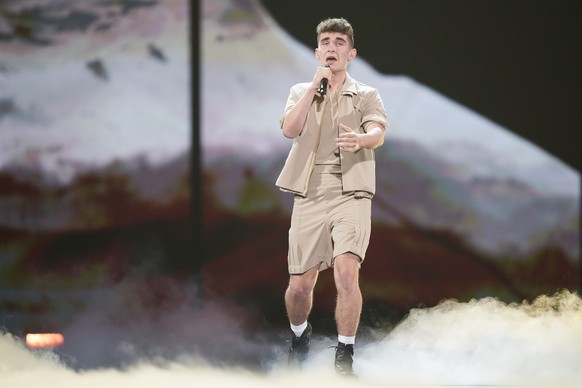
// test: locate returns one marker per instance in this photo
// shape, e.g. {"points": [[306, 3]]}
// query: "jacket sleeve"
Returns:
{"points": [[294, 95], [373, 110]]}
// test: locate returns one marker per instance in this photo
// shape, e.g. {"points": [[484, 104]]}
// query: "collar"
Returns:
{"points": [[349, 87]]}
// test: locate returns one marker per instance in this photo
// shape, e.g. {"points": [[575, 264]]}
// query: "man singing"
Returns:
{"points": [[335, 122]]}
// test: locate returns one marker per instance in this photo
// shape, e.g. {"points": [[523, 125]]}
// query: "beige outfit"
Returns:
{"points": [[357, 106], [333, 188]]}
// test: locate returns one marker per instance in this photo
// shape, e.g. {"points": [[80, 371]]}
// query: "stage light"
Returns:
{"points": [[44, 340]]}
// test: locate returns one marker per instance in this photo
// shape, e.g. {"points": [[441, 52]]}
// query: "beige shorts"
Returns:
{"points": [[327, 223]]}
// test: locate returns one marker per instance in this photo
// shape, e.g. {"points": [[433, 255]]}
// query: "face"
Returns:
{"points": [[334, 50]]}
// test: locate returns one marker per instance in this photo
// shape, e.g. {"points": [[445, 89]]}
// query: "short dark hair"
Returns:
{"points": [[340, 25]]}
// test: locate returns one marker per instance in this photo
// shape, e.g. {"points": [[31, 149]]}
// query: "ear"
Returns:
{"points": [[353, 54], [317, 54]]}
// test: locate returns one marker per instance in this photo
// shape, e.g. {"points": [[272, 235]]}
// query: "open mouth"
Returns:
{"points": [[330, 60]]}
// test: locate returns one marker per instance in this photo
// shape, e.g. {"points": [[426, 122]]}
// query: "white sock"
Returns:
{"points": [[298, 330], [346, 340]]}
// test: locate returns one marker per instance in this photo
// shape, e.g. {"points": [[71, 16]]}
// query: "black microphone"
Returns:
{"points": [[323, 87]]}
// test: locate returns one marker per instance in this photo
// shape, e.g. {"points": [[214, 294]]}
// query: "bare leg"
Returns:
{"points": [[299, 295], [349, 298]]}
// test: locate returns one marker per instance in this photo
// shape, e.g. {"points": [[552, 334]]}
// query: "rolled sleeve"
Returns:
{"points": [[294, 95], [374, 111]]}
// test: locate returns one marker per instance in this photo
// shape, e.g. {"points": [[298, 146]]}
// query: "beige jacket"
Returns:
{"points": [[358, 106]]}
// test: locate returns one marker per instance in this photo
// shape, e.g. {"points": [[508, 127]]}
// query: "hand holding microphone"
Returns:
{"points": [[323, 86]]}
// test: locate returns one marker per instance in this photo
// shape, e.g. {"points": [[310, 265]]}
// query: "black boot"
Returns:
{"points": [[343, 359], [299, 347]]}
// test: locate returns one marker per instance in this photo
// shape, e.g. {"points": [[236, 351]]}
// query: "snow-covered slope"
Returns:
{"points": [[87, 99]]}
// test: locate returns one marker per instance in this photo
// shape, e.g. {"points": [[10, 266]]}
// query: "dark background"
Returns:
{"points": [[516, 62]]}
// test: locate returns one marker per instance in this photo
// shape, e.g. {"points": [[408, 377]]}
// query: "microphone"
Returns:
{"points": [[323, 87]]}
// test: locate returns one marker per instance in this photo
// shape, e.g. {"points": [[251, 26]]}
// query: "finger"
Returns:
{"points": [[347, 137], [348, 149], [325, 72], [346, 143], [345, 128]]}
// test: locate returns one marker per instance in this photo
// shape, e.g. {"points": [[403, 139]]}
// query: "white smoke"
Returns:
{"points": [[481, 342], [484, 342]]}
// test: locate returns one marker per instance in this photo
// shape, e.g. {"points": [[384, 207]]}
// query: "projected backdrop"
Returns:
{"points": [[94, 150]]}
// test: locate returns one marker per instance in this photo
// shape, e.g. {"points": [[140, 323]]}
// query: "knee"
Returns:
{"points": [[301, 286], [346, 274], [347, 283]]}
